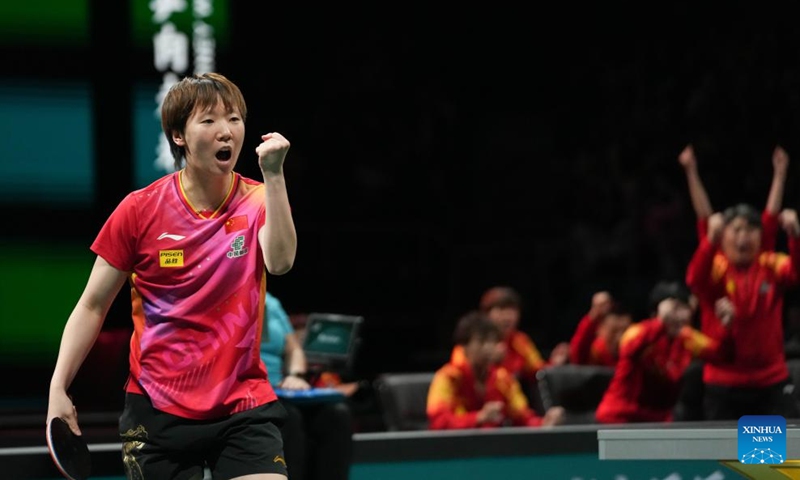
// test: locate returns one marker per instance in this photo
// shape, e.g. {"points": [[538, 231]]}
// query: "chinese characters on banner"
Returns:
{"points": [[172, 52]]}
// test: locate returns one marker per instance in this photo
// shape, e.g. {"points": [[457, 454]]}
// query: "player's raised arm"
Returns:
{"points": [[277, 237], [697, 191], [780, 168]]}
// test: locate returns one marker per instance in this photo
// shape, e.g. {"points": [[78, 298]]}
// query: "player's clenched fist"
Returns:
{"points": [[788, 219], [272, 152]]}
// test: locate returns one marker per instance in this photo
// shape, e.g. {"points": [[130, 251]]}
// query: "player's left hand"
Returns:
{"points": [[272, 152], [554, 416], [725, 310], [560, 354], [291, 382], [789, 222], [780, 159], [788, 219]]}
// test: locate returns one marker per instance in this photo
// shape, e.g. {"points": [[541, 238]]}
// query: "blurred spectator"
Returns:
{"points": [[324, 378], [596, 339], [317, 437], [729, 262], [473, 391], [503, 306], [691, 402], [654, 354]]}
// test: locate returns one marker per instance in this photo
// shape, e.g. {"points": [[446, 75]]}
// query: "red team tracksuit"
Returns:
{"points": [[757, 328], [647, 378], [769, 234], [586, 348], [454, 402], [522, 358]]}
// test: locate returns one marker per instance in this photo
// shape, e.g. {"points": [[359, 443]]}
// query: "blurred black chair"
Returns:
{"points": [[576, 388], [403, 399]]}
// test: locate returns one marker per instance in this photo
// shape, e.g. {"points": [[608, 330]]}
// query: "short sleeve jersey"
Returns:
{"points": [[197, 290]]}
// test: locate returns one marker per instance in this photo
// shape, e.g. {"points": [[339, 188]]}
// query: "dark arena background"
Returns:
{"points": [[436, 152]]}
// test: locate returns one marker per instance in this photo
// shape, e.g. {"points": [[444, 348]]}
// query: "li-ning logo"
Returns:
{"points": [[171, 236], [237, 248], [279, 459], [762, 439]]}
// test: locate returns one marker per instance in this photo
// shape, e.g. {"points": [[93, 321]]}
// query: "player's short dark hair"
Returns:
{"points": [[196, 92], [475, 325], [668, 289], [500, 297], [743, 210]]}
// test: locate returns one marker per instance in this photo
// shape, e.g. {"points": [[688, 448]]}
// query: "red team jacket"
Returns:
{"points": [[586, 348], [454, 402], [769, 235], [757, 295], [647, 378], [522, 358]]}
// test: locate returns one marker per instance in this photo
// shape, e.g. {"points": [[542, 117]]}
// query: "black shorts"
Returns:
{"points": [[159, 445]]}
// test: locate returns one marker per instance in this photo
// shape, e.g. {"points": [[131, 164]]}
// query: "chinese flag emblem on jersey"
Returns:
{"points": [[235, 224]]}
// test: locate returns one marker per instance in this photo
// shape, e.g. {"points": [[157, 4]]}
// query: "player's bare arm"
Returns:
{"points": [[277, 237], [81, 330], [780, 168], [697, 191]]}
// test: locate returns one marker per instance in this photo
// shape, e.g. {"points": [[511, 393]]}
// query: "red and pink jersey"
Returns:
{"points": [[197, 289]]}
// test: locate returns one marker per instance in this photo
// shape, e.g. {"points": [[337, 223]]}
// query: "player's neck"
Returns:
{"points": [[205, 192]]}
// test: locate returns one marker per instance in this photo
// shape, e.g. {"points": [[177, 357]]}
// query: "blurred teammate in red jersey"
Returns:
{"points": [[730, 262], [654, 354], [596, 339], [503, 306], [473, 391], [703, 211]]}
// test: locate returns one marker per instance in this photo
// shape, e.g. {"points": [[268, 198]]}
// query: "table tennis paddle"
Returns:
{"points": [[69, 452]]}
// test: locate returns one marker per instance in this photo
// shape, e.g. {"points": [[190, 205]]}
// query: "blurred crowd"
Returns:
{"points": [[725, 313]]}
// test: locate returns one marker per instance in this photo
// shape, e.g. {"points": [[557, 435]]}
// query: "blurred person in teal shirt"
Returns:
{"points": [[317, 437]]}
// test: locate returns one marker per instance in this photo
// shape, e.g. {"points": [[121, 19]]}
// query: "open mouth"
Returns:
{"points": [[224, 155]]}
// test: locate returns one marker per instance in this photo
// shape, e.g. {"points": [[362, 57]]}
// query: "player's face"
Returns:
{"points": [[507, 318], [675, 315], [482, 351], [741, 242], [213, 140]]}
